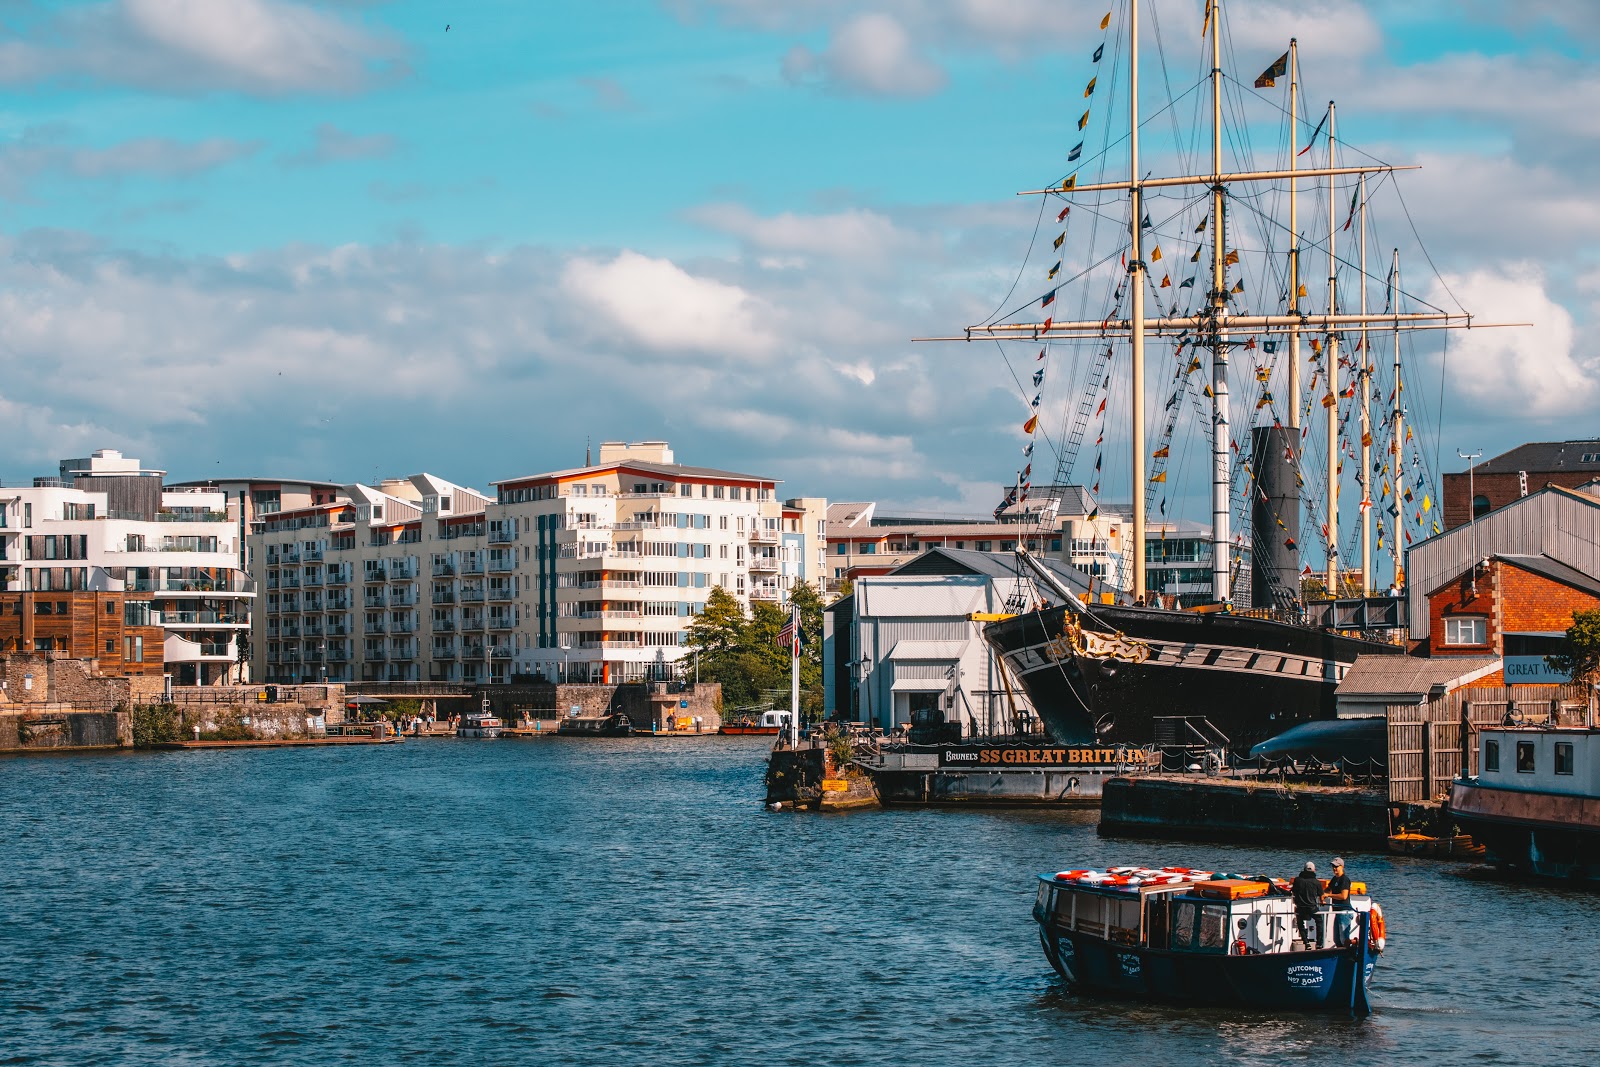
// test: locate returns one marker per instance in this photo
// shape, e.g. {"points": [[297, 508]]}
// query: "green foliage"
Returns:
{"points": [[1582, 658], [154, 724], [402, 709], [846, 588], [841, 749], [740, 650], [232, 730]]}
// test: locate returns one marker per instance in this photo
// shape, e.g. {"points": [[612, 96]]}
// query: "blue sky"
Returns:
{"points": [[334, 240]]}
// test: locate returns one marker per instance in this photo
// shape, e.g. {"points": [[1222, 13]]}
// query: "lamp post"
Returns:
{"points": [[565, 648], [1472, 511]]}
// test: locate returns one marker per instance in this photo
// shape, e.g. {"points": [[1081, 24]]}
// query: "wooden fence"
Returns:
{"points": [[1430, 742]]}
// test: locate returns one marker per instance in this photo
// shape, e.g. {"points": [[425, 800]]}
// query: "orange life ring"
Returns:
{"points": [[1378, 929]]}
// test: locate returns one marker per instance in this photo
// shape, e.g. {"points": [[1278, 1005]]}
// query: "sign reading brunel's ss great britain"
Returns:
{"points": [[1072, 756]]}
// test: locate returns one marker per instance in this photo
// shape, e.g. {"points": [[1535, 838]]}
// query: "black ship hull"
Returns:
{"points": [[1251, 678]]}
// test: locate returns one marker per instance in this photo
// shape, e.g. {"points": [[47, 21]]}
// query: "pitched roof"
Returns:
{"points": [[1545, 456], [851, 514], [1554, 570], [1411, 677], [994, 565]]}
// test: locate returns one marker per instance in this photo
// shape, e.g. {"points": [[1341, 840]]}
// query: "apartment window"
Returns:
{"points": [[1563, 757], [1466, 630], [722, 522], [686, 490], [842, 549], [1491, 756], [1525, 758], [869, 549], [717, 492]]}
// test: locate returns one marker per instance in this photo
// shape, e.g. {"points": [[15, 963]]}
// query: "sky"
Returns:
{"points": [[358, 239]]}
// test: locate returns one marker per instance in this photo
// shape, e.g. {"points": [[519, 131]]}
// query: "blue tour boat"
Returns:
{"points": [[1177, 934]]}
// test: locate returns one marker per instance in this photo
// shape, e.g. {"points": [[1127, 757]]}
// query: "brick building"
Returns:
{"points": [[1512, 475], [1516, 607], [118, 631]]}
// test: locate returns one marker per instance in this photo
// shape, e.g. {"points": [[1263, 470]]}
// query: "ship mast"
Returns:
{"points": [[1136, 313], [1220, 467], [1397, 431], [1330, 356], [1364, 383], [1294, 246]]}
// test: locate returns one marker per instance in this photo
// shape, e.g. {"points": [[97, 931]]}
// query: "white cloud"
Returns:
{"points": [[44, 151], [1531, 371], [855, 234], [266, 47], [330, 144], [871, 54], [661, 305]]}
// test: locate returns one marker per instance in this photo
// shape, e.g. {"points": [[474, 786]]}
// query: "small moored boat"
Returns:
{"points": [[1202, 937], [770, 723], [479, 726]]}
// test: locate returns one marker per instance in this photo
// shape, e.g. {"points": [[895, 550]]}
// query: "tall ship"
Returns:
{"points": [[1213, 283]]}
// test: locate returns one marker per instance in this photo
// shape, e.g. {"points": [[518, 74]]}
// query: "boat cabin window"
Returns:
{"points": [[1491, 756], [1563, 757], [1525, 757], [1183, 916], [1214, 927]]}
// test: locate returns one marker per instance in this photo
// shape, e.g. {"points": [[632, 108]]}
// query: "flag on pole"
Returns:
{"points": [[1055, 269], [1103, 24], [1064, 213], [1269, 77], [1077, 150], [788, 637], [1088, 90], [1060, 237], [1098, 52]]}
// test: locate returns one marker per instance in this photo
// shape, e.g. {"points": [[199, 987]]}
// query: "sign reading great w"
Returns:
{"points": [[1019, 757]]}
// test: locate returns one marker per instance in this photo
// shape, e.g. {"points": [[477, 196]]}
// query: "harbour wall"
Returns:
{"points": [[648, 705], [1232, 810]]}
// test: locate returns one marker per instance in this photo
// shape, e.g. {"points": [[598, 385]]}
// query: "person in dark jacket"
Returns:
{"points": [[1344, 919], [1307, 889]]}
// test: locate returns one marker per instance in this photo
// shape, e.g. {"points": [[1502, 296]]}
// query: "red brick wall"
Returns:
{"points": [[1533, 603], [1512, 599], [1500, 489], [1457, 599]]}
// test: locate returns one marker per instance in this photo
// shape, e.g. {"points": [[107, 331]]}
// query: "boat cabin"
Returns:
{"points": [[1540, 759], [1182, 911]]}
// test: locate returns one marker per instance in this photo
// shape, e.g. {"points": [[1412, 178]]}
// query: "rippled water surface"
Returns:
{"points": [[630, 902]]}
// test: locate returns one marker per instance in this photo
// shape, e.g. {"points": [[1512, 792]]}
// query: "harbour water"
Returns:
{"points": [[629, 901]]}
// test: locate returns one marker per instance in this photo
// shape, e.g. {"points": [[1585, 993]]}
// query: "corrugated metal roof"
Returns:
{"points": [[1412, 676], [928, 650]]}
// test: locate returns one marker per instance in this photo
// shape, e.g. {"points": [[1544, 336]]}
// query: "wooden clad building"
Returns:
{"points": [[119, 631]]}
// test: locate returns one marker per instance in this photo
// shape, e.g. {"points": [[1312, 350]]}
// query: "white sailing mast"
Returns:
{"points": [[1215, 324], [1397, 441], [1221, 468]]}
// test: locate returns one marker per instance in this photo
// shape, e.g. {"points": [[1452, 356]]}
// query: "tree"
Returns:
{"points": [[846, 588], [717, 630], [1582, 658]]}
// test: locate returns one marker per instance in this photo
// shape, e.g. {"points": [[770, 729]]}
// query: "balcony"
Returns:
{"points": [[444, 626], [375, 600], [338, 629], [313, 554], [472, 651], [764, 537], [444, 652], [472, 596], [502, 622], [764, 593], [338, 575], [338, 603], [502, 564], [289, 555], [203, 618], [375, 575], [374, 628], [472, 566], [444, 570], [472, 622], [402, 597], [501, 535], [765, 563], [445, 596], [338, 655], [314, 578], [402, 572], [501, 592], [372, 655], [500, 652]]}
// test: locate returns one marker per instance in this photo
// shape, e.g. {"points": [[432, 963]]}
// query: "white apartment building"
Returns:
{"points": [[384, 583], [619, 556], [108, 524], [587, 574]]}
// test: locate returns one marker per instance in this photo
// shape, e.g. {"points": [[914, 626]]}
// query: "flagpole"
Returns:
{"points": [[794, 675], [1365, 380], [1331, 356], [1220, 466], [1396, 441], [1136, 312]]}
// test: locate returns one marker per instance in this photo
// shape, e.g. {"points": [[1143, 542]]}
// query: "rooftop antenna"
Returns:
{"points": [[588, 461], [1472, 505]]}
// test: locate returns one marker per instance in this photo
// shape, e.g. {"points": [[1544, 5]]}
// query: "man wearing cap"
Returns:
{"points": [[1338, 893], [1307, 890]]}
